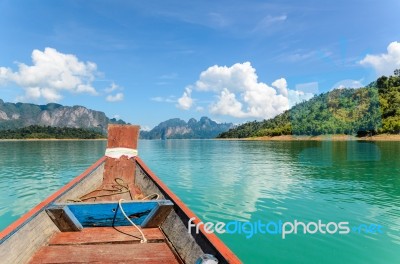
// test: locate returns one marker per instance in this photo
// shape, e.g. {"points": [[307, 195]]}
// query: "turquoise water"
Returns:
{"points": [[246, 181], [30, 171]]}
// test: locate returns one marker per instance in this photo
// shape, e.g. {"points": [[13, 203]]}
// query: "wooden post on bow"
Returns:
{"points": [[119, 168]]}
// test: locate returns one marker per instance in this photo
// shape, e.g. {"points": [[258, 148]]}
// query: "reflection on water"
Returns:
{"points": [[32, 170], [326, 151], [351, 181]]}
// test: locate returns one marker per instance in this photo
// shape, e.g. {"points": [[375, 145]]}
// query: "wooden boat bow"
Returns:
{"points": [[94, 230]]}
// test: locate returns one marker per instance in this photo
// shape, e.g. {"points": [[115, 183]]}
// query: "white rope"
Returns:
{"points": [[144, 240], [117, 153]]}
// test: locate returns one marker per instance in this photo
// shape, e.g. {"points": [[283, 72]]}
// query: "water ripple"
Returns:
{"points": [[31, 171], [243, 181]]}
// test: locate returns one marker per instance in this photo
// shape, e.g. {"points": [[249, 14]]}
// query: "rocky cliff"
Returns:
{"points": [[178, 129], [13, 116]]}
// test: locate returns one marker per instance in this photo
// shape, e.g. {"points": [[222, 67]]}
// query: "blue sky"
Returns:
{"points": [[234, 61]]}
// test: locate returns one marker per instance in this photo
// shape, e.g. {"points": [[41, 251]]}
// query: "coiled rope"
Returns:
{"points": [[119, 188], [144, 240]]}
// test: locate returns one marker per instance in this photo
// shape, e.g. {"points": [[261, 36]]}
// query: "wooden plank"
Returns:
{"points": [[103, 235], [106, 253], [63, 218], [109, 213]]}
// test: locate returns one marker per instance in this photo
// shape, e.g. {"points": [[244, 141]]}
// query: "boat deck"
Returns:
{"points": [[107, 245]]}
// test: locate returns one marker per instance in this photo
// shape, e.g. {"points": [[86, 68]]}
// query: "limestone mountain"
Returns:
{"points": [[179, 129], [18, 115]]}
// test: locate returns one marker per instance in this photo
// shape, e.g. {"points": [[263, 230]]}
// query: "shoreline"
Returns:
{"points": [[381, 137], [53, 139]]}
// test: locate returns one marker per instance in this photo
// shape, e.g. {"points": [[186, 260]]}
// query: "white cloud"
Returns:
{"points": [[227, 105], [115, 98], [33, 92], [186, 101], [145, 128], [157, 99], [386, 63], [310, 87], [238, 93], [297, 96], [267, 22], [303, 92], [160, 99], [200, 109], [169, 76], [347, 84], [5, 75], [236, 78], [112, 88], [281, 85], [301, 55], [51, 74]]}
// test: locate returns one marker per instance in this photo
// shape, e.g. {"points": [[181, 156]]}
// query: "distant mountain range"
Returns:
{"points": [[14, 116], [18, 115], [178, 129]]}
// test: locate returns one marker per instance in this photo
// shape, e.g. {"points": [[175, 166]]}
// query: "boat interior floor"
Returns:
{"points": [[107, 245], [112, 192]]}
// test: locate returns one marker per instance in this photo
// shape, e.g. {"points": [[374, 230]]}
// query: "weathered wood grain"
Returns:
{"points": [[159, 215], [109, 235], [106, 253], [89, 183], [20, 246], [63, 218], [124, 136]]}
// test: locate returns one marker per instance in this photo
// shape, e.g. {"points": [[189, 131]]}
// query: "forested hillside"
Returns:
{"points": [[374, 109], [47, 132]]}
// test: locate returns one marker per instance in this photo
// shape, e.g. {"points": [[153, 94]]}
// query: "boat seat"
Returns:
{"points": [[76, 216]]}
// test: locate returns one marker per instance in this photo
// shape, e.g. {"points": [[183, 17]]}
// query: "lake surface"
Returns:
{"points": [[246, 183]]}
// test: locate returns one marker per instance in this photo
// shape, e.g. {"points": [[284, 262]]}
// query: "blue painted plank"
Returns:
{"points": [[109, 214]]}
